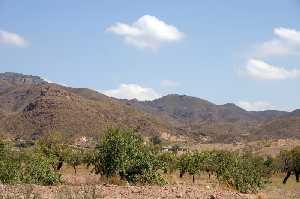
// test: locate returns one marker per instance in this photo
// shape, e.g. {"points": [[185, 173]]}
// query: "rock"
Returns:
{"points": [[211, 197]]}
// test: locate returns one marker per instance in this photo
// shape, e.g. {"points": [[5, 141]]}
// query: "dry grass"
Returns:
{"points": [[261, 147], [274, 190], [278, 190]]}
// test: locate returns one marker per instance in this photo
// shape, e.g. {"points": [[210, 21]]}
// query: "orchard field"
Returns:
{"points": [[124, 165]]}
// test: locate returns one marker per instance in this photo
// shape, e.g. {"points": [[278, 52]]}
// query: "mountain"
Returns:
{"points": [[295, 113], [194, 110], [30, 107], [281, 127], [204, 120]]}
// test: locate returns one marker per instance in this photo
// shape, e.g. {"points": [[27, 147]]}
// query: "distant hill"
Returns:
{"points": [[204, 120], [30, 107], [192, 109], [295, 113]]}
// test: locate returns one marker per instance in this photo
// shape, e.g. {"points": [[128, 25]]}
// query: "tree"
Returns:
{"points": [[289, 162], [37, 169], [121, 152], [74, 157], [54, 147], [116, 151], [168, 161], [9, 165], [25, 167], [156, 140]]}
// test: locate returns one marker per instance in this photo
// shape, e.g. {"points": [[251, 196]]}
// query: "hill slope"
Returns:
{"points": [[30, 106], [204, 120]]}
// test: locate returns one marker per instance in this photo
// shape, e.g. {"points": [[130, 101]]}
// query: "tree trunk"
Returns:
{"points": [[75, 170], [59, 166], [286, 177]]}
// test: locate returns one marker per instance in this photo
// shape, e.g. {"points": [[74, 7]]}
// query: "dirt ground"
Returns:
{"points": [[89, 186], [114, 191]]}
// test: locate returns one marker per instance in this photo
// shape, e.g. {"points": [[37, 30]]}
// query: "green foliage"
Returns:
{"points": [[9, 165], [246, 173], [88, 157], [74, 157], [156, 140], [144, 168], [149, 178], [36, 169], [53, 146], [288, 160], [25, 167], [168, 161], [123, 153], [184, 163], [295, 155], [116, 151]]}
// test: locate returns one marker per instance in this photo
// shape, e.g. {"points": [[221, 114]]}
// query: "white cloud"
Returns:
{"points": [[147, 32], [12, 39], [169, 83], [255, 106], [48, 81], [287, 42], [132, 91], [261, 70], [52, 82], [287, 34]]}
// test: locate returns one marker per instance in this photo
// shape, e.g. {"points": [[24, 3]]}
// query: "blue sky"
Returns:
{"points": [[247, 53]]}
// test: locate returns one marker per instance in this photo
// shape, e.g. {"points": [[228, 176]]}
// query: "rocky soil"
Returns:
{"points": [[114, 191]]}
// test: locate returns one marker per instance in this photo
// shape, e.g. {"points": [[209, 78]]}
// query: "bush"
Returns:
{"points": [[123, 153], [156, 140], [27, 167], [74, 157], [9, 165], [246, 173], [184, 163], [168, 161], [37, 169], [53, 146]]}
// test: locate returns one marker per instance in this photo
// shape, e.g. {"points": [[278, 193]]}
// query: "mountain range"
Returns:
{"points": [[30, 107]]}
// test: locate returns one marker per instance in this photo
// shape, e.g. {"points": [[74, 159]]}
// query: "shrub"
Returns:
{"points": [[156, 140], [53, 146], [168, 161], [9, 165], [184, 163], [246, 173], [37, 169], [25, 167], [122, 153], [74, 157]]}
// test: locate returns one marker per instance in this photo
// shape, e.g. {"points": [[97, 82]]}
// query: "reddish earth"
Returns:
{"points": [[114, 191]]}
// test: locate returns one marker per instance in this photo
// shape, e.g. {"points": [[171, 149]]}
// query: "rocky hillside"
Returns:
{"points": [[30, 106], [195, 110], [204, 120]]}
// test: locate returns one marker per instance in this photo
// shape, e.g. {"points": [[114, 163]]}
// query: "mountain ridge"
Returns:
{"points": [[30, 106]]}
